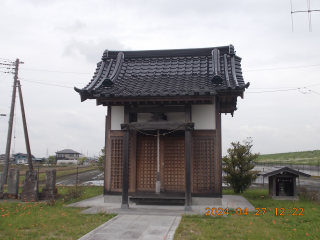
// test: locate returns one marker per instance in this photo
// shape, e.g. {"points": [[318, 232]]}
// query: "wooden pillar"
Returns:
{"points": [[188, 146], [125, 165], [107, 161], [133, 161], [218, 152], [294, 186]]}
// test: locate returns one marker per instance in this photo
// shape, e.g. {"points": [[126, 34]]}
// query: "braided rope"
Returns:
{"points": [[161, 134]]}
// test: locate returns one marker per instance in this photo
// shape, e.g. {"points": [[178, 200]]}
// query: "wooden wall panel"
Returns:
{"points": [[117, 163], [174, 167], [146, 163], [203, 164]]}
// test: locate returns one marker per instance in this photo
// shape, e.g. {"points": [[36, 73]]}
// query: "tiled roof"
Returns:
{"points": [[22, 154], [162, 73], [67, 151], [276, 170]]}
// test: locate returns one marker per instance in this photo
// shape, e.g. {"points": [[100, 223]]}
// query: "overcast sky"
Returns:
{"points": [[70, 36]]}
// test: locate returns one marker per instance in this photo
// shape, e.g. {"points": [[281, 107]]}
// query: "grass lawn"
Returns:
{"points": [[306, 157], [61, 172], [49, 220], [250, 226]]}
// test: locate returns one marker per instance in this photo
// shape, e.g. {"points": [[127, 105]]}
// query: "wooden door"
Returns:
{"points": [[173, 162], [146, 163]]}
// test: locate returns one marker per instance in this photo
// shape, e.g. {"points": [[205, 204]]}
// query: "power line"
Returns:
{"points": [[46, 84], [51, 81], [285, 90], [4, 78], [7, 59], [52, 71], [254, 70], [272, 69], [287, 87]]}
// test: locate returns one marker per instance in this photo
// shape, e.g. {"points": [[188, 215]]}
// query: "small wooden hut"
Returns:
{"points": [[163, 126], [282, 182]]}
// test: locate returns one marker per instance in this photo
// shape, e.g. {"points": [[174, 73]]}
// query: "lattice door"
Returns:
{"points": [[203, 164], [146, 162], [174, 167], [116, 164]]}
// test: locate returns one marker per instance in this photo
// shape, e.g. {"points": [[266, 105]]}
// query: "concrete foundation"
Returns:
{"points": [[206, 201], [113, 199], [195, 200]]}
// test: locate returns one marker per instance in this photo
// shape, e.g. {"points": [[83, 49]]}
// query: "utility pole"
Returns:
{"points": [[25, 129], [13, 99]]}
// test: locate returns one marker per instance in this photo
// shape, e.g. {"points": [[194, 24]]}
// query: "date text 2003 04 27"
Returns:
{"points": [[259, 211]]}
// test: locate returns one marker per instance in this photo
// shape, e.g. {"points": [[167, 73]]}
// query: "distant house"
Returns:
{"points": [[3, 157], [67, 154], [22, 158]]}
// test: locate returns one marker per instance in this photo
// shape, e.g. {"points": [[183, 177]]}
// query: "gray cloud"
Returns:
{"points": [[77, 25], [91, 50]]}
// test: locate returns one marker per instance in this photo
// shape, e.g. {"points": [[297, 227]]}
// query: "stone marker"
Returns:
{"points": [[30, 192], [50, 192], [13, 183]]}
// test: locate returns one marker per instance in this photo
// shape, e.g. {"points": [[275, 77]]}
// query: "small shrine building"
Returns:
{"points": [[282, 182], [163, 123]]}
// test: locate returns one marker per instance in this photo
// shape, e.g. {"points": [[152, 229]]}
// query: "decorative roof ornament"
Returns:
{"points": [[216, 79]]}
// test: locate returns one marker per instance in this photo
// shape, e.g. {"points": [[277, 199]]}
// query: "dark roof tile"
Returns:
{"points": [[177, 72]]}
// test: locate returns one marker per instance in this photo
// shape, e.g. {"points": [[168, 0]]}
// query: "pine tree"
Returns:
{"points": [[238, 165]]}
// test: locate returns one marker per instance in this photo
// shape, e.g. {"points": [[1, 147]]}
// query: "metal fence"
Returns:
{"points": [[313, 170]]}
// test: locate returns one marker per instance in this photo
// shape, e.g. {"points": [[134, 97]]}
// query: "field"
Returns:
{"points": [[307, 157], [251, 226], [61, 170], [50, 220]]}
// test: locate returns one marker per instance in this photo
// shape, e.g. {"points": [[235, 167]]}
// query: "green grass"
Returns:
{"points": [[49, 220], [307, 157], [251, 226]]}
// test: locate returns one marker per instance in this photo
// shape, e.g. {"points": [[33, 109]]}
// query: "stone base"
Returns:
{"points": [[187, 208], [124, 206], [9, 196], [112, 198], [157, 187], [206, 201], [48, 194], [195, 200]]}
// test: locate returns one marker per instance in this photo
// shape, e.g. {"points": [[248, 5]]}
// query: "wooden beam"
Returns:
{"points": [[218, 152], [228, 106], [156, 99], [133, 161], [155, 125], [157, 109], [107, 162], [125, 165], [188, 146]]}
